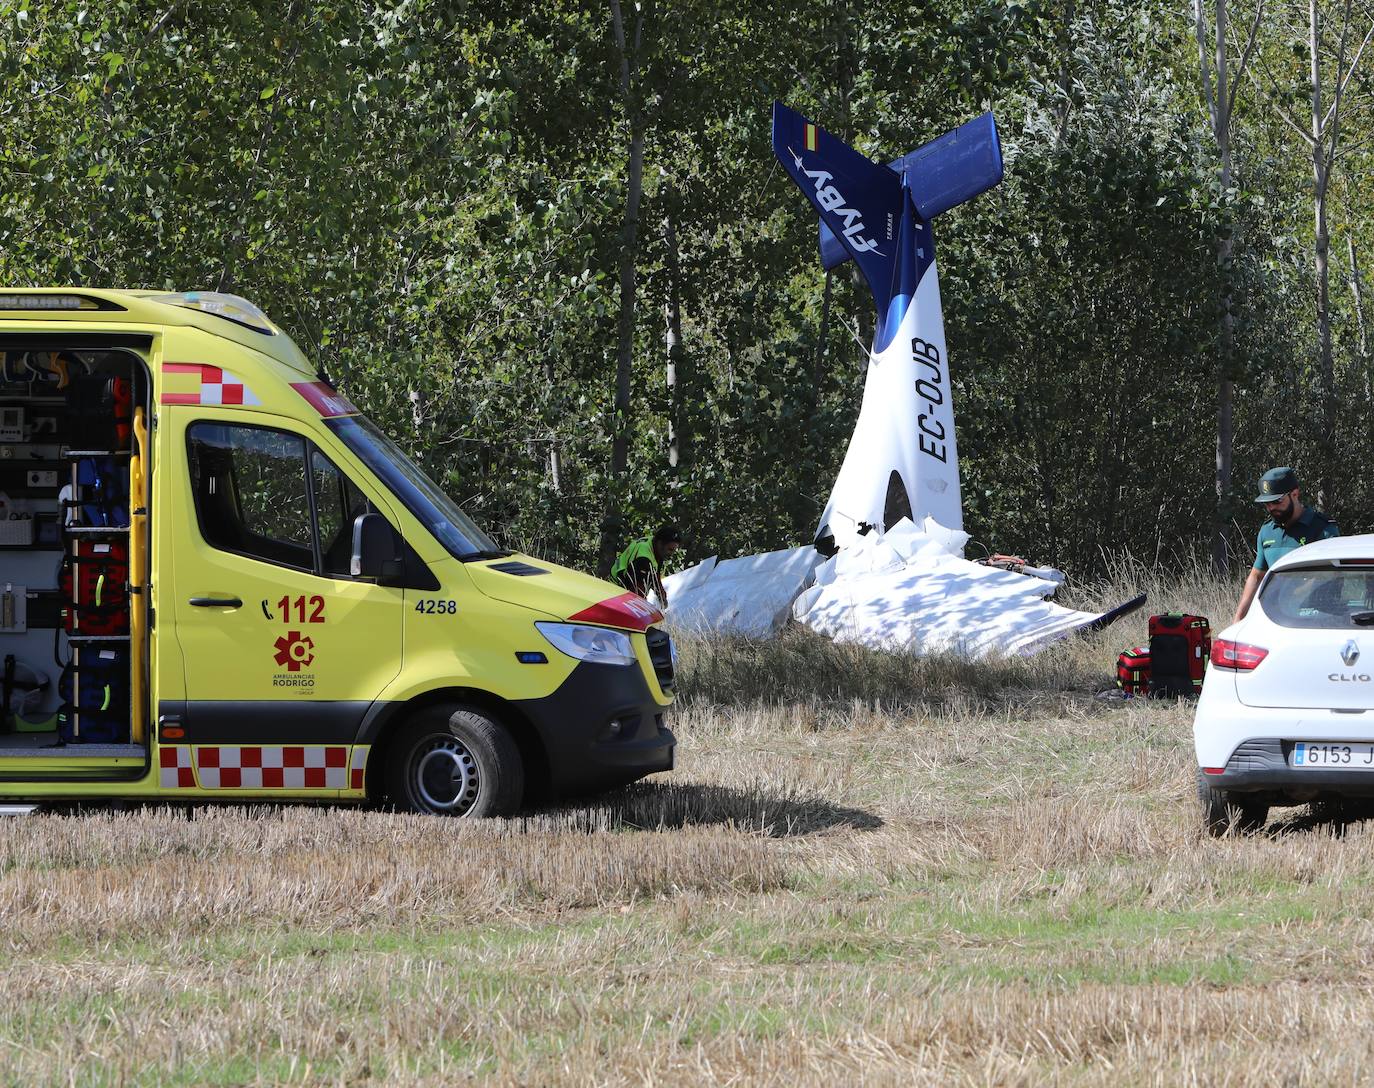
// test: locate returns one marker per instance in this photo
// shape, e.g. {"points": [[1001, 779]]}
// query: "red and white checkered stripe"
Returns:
{"points": [[263, 767], [358, 766], [174, 771], [288, 767], [217, 386], [224, 388]]}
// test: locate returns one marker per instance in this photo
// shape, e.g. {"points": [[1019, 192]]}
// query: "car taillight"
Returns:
{"points": [[1241, 656]]}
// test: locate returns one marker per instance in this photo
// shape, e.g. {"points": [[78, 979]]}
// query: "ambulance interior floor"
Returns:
{"points": [[46, 746]]}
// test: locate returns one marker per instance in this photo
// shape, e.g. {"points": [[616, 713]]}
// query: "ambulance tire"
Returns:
{"points": [[455, 761]]}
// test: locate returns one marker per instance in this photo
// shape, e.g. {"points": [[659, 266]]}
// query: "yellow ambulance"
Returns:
{"points": [[219, 580]]}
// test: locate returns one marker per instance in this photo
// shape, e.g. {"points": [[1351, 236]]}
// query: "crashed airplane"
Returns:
{"points": [[896, 577], [903, 460]]}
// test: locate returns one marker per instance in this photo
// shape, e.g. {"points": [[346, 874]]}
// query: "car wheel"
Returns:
{"points": [[455, 761], [1222, 811]]}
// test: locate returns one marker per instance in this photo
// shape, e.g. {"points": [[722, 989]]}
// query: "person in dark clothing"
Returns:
{"points": [[639, 567]]}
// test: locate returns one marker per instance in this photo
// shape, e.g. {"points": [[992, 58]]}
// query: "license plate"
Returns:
{"points": [[1355, 757]]}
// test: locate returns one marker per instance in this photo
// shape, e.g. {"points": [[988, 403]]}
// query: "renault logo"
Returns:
{"points": [[1350, 653]]}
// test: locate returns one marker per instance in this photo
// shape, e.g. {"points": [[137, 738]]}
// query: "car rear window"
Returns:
{"points": [[1325, 598]]}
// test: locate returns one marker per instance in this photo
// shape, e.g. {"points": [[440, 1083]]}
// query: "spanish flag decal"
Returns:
{"points": [[810, 137], [200, 383]]}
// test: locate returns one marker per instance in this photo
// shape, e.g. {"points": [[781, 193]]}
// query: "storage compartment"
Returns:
{"points": [[68, 448]]}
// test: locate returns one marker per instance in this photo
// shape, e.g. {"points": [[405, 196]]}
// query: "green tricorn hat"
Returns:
{"points": [[1276, 483]]}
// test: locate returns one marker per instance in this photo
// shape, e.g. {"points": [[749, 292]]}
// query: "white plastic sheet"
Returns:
{"points": [[910, 590], [913, 591], [751, 596]]}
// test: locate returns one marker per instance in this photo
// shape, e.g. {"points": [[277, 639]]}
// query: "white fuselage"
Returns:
{"points": [[906, 425]]}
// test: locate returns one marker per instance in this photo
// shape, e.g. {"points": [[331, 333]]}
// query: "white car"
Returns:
{"points": [[1286, 714]]}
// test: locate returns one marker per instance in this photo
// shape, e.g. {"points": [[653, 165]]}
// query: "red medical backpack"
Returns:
{"points": [[1133, 670], [95, 587], [1179, 647]]}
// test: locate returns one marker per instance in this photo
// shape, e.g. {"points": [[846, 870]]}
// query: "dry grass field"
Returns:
{"points": [[866, 870]]}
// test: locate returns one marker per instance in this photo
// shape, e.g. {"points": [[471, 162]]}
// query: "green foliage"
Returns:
{"points": [[429, 195]]}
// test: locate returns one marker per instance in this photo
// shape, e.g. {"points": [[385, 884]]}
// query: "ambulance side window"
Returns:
{"points": [[251, 492], [337, 505]]}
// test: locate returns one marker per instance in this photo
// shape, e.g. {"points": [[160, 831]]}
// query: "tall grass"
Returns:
{"points": [[867, 868], [800, 668], [1191, 587]]}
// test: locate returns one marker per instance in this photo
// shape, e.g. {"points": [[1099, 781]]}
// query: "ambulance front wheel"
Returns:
{"points": [[455, 761]]}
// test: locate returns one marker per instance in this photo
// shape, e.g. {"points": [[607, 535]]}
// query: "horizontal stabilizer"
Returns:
{"points": [[942, 174]]}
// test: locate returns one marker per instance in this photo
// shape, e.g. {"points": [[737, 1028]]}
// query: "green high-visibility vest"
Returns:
{"points": [[643, 548]]}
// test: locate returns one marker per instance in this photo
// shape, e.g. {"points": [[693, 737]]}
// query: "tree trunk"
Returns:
{"points": [[1221, 559], [1225, 386], [555, 455], [1357, 296], [1324, 139], [1217, 100], [1326, 379], [823, 349], [1321, 247], [672, 337], [612, 523], [1221, 555], [813, 396]]}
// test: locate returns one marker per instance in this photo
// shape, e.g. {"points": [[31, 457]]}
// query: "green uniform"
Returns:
{"points": [[637, 567], [1274, 542]]}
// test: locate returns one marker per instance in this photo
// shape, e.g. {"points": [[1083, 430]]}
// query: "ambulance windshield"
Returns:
{"points": [[422, 497]]}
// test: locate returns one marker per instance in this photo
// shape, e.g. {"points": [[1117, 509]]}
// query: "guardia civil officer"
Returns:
{"points": [[1290, 525], [638, 567]]}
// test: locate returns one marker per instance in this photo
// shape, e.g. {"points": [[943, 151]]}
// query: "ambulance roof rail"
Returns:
{"points": [[217, 313]]}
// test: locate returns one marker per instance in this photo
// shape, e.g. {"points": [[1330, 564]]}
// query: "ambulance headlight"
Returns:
{"points": [[595, 644]]}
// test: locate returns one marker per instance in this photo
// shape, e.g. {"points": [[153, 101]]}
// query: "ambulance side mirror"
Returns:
{"points": [[376, 549]]}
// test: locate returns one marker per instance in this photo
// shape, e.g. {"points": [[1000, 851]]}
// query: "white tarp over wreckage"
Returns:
{"points": [[909, 590], [913, 591], [752, 596], [890, 585]]}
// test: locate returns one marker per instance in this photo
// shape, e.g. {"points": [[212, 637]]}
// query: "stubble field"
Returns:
{"points": [[866, 869]]}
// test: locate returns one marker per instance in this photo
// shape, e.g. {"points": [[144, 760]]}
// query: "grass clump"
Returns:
{"points": [[802, 668]]}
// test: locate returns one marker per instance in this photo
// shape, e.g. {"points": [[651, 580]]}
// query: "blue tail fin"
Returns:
{"points": [[903, 458], [859, 200]]}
